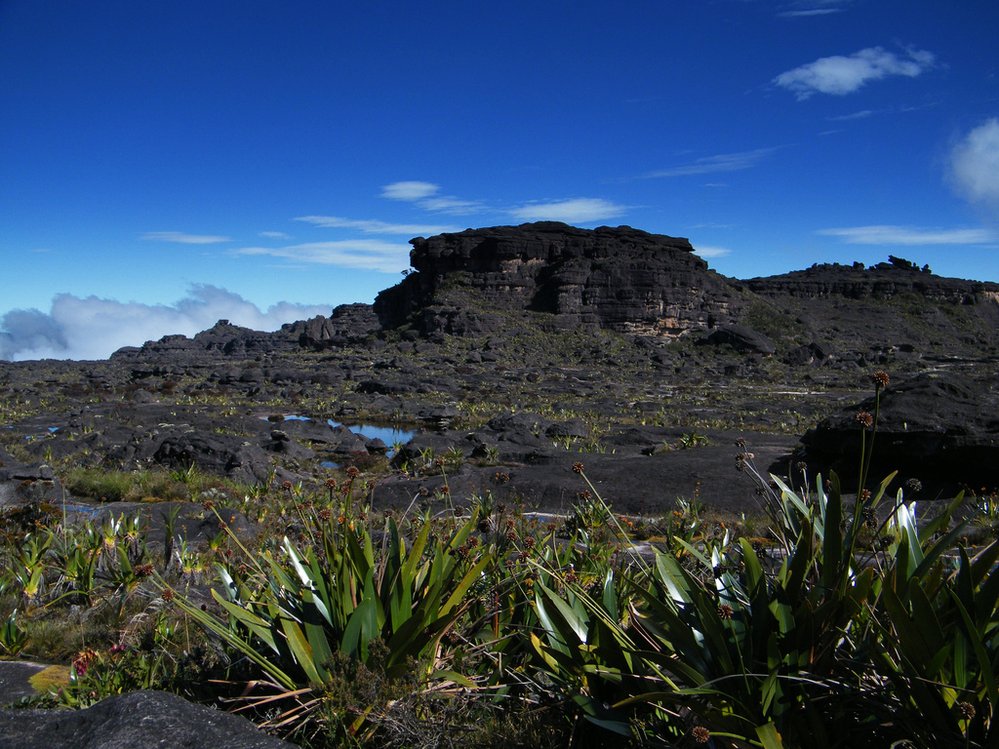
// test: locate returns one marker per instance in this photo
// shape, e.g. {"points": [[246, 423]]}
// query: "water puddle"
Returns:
{"points": [[389, 435]]}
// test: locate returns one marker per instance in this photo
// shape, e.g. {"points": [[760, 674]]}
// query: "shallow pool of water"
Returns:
{"points": [[388, 435]]}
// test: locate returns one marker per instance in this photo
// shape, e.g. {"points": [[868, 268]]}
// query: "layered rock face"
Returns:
{"points": [[883, 281], [618, 278]]}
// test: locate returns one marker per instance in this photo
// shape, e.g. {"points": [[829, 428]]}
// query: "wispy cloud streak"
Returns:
{"points": [[718, 163], [374, 226], [362, 254], [886, 234], [179, 237]]}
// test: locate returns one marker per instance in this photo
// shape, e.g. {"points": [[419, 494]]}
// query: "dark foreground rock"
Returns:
{"points": [[139, 719]]}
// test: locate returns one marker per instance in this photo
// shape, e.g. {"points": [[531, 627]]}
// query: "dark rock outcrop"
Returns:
{"points": [[939, 430], [139, 719], [349, 323], [742, 339], [618, 278]]}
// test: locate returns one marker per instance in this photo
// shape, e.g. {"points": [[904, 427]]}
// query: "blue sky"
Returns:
{"points": [[166, 164]]}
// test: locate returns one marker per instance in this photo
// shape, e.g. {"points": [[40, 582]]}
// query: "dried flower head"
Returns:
{"points": [[914, 485], [143, 570], [352, 472], [881, 379], [577, 467], [700, 734], [725, 611], [966, 710], [865, 419]]}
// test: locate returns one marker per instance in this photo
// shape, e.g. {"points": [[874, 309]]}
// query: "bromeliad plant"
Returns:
{"points": [[298, 611], [938, 620]]}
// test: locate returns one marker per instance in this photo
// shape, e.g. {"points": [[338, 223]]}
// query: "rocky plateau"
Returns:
{"points": [[518, 351], [504, 357]]}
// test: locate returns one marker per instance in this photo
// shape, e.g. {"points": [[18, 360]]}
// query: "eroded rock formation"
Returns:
{"points": [[618, 278]]}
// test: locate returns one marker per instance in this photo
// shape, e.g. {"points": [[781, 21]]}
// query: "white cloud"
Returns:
{"points": [[908, 235], [274, 235], [426, 196], [576, 210], [410, 190], [93, 328], [375, 227], [706, 251], [364, 254], [975, 165], [723, 162], [841, 75], [180, 237]]}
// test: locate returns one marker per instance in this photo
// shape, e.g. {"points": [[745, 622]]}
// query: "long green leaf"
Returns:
{"points": [[769, 736]]}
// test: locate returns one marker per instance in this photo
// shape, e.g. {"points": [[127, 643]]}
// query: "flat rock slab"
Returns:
{"points": [[15, 680], [140, 719]]}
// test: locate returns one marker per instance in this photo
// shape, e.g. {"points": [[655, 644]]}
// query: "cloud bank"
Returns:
{"points": [[839, 75], [975, 166], [93, 328]]}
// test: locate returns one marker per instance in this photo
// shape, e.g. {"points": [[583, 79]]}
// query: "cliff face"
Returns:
{"points": [[887, 307], [619, 278]]}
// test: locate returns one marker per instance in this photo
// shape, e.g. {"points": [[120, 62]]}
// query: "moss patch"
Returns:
{"points": [[50, 679]]}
